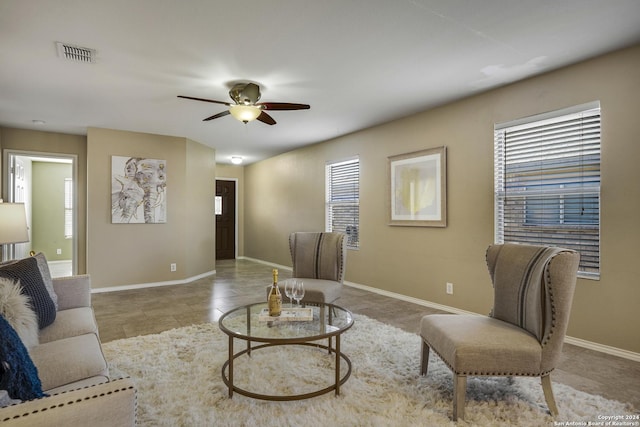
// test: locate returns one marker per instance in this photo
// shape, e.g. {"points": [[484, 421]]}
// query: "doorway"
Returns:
{"points": [[46, 184], [225, 219]]}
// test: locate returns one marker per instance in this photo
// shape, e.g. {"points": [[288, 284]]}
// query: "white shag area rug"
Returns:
{"points": [[178, 376]]}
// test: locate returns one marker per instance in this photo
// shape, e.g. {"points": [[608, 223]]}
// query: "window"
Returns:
{"points": [[547, 182], [343, 200], [68, 208]]}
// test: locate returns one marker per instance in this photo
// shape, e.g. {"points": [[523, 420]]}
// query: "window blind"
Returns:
{"points": [[343, 200], [68, 208], [547, 184]]}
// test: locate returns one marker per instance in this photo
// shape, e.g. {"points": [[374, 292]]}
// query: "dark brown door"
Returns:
{"points": [[226, 222]]}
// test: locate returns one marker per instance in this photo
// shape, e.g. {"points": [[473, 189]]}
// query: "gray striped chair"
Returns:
{"points": [[523, 335], [319, 259]]}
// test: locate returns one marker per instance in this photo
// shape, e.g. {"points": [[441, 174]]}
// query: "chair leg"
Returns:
{"points": [[424, 359], [459, 396], [548, 394]]}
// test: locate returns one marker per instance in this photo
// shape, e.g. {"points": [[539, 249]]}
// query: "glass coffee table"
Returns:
{"points": [[319, 322]]}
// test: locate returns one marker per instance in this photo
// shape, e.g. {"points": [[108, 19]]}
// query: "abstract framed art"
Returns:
{"points": [[418, 183], [138, 190]]}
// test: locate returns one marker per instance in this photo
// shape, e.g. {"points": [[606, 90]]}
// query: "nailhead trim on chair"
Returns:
{"points": [[551, 301], [71, 402], [341, 258], [485, 374]]}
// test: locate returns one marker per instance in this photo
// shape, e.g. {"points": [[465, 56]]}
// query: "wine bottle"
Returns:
{"points": [[275, 297]]}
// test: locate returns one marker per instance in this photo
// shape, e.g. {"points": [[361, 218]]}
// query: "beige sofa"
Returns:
{"points": [[73, 370]]}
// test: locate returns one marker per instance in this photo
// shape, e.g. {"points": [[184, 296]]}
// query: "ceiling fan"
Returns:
{"points": [[247, 107]]}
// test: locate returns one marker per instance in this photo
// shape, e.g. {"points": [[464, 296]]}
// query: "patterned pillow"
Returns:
{"points": [[43, 266], [27, 272]]}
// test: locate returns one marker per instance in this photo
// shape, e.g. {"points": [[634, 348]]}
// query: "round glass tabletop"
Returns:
{"points": [[251, 322]]}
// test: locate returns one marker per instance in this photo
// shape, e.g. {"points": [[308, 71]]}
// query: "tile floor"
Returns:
{"points": [[151, 310]]}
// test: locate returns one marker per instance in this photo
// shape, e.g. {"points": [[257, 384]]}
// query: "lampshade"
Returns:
{"points": [[245, 113], [13, 223]]}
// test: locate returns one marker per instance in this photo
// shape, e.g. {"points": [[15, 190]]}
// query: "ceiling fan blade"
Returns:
{"points": [[283, 106], [205, 100], [265, 118], [215, 116]]}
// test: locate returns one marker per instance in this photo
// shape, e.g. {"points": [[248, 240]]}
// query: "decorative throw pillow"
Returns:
{"points": [[19, 376], [43, 266], [27, 272], [16, 309]]}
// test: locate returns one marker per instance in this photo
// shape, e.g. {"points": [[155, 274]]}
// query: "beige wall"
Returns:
{"points": [[199, 215], [129, 254], [125, 254], [286, 193], [224, 171], [55, 143]]}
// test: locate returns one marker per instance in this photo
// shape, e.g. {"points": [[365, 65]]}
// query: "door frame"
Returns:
{"points": [[235, 220], [7, 153]]}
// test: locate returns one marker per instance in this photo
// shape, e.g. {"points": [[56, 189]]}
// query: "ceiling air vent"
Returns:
{"points": [[76, 53]]}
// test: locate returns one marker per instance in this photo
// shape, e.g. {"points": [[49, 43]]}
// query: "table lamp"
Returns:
{"points": [[13, 224]]}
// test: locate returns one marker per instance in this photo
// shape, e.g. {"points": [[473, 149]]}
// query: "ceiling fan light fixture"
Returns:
{"points": [[245, 113]]}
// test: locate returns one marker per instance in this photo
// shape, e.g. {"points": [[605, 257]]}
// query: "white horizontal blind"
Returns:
{"points": [[343, 200], [68, 208], [547, 184]]}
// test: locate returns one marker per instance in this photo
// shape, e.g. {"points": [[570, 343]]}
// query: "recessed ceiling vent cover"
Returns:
{"points": [[76, 53]]}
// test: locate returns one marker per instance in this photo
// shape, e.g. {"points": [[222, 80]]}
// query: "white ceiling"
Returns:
{"points": [[358, 63]]}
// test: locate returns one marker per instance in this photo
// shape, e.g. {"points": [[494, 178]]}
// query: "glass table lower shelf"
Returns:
{"points": [[248, 323]]}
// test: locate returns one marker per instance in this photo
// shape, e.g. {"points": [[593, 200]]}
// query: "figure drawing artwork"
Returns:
{"points": [[138, 190]]}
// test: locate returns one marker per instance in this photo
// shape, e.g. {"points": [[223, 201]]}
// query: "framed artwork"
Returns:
{"points": [[419, 188], [138, 190]]}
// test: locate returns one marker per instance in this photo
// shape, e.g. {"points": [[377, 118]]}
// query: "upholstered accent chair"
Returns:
{"points": [[523, 335], [319, 259]]}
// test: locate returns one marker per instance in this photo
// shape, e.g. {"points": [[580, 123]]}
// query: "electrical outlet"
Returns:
{"points": [[450, 288], [173, 266], [59, 251]]}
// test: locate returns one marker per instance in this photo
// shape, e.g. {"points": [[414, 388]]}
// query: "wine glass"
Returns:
{"points": [[298, 291], [288, 290]]}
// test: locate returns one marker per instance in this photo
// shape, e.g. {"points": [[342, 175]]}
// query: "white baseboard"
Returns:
{"points": [[614, 351], [409, 299], [152, 284]]}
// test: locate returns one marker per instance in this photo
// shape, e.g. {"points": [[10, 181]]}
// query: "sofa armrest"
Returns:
{"points": [[107, 404], [73, 291]]}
